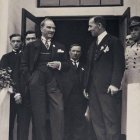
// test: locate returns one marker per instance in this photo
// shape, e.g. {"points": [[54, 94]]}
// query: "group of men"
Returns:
{"points": [[12, 60], [50, 83]]}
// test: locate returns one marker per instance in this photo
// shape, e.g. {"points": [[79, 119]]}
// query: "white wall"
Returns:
{"points": [[3, 26], [15, 6]]}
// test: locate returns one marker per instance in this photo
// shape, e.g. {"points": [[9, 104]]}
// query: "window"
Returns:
{"points": [[78, 3]]}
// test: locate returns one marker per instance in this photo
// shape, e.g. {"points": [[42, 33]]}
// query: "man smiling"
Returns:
{"points": [[42, 64]]}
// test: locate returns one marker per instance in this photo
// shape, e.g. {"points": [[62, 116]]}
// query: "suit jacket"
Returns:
{"points": [[70, 77], [105, 64], [31, 55]]}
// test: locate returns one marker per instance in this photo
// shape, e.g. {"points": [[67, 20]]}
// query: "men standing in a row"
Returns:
{"points": [[103, 79], [25, 115], [42, 64], [10, 60], [74, 100]]}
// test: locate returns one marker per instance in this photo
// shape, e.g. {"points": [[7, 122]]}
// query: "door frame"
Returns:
{"points": [[121, 18], [123, 24], [26, 14]]}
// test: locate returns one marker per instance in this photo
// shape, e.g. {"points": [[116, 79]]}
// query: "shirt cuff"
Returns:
{"points": [[17, 94], [59, 68]]}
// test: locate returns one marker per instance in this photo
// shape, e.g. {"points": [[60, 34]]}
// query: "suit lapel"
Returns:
{"points": [[81, 72], [36, 51], [53, 47], [72, 66], [92, 52], [103, 43]]}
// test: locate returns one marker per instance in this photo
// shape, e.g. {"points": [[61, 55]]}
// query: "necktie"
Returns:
{"points": [[47, 45], [75, 64]]}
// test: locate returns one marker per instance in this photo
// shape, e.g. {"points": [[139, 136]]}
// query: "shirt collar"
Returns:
{"points": [[16, 51], [44, 40], [138, 42], [101, 36], [77, 61]]}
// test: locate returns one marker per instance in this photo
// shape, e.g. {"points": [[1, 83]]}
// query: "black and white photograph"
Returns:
{"points": [[69, 70]]}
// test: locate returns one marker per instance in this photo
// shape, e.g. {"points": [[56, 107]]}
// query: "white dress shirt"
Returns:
{"points": [[75, 62], [45, 41], [100, 37]]}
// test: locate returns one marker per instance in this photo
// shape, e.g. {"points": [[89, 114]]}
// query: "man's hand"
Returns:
{"points": [[85, 94], [18, 98], [54, 65], [112, 90]]}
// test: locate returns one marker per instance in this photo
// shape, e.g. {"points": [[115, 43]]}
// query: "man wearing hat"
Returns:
{"points": [[132, 72], [135, 28]]}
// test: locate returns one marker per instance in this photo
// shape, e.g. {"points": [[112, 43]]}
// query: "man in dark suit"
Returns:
{"points": [[74, 100], [25, 114], [10, 60], [103, 79], [42, 65]]}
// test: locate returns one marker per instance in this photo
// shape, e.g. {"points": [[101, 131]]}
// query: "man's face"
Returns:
{"points": [[93, 28], [30, 38], [16, 42], [75, 52], [135, 33], [129, 41], [48, 29]]}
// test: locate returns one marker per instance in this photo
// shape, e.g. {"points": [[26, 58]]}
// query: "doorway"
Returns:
{"points": [[71, 30]]}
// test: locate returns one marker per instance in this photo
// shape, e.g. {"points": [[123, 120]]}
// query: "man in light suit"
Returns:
{"points": [[103, 79], [74, 101], [42, 65]]}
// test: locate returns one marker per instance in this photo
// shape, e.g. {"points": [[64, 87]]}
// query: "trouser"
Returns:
{"points": [[43, 86], [14, 111], [105, 111], [75, 121], [25, 112], [24, 120]]}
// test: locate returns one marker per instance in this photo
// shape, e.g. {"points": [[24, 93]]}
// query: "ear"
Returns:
{"points": [[100, 25], [69, 52], [41, 29]]}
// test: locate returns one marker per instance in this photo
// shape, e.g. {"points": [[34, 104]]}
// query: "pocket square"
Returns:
{"points": [[60, 51]]}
